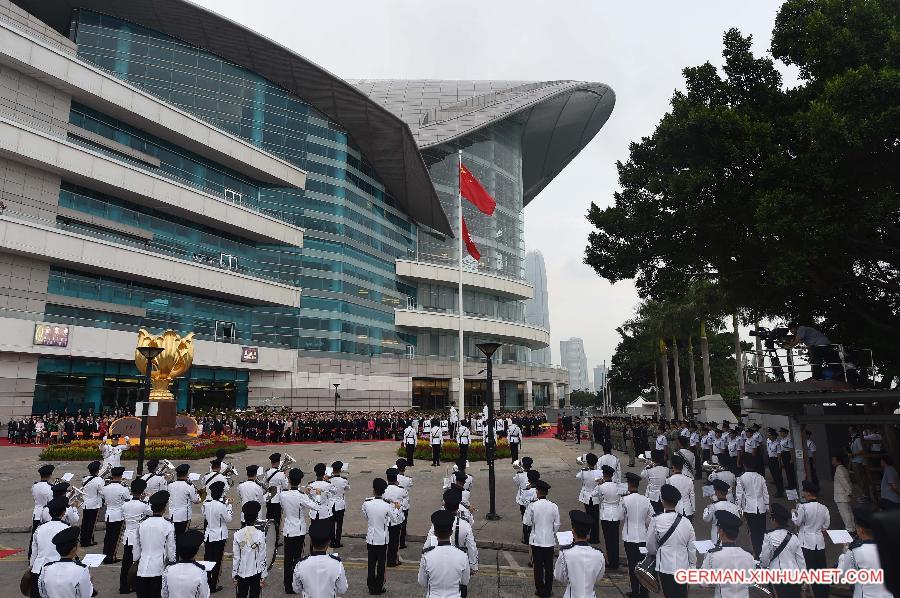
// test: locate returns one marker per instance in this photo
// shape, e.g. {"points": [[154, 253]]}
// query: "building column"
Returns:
{"points": [[554, 396], [568, 396], [456, 394], [495, 394], [529, 397]]}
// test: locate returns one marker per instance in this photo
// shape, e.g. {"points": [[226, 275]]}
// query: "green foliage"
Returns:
{"points": [[450, 451], [155, 449], [783, 201], [583, 398]]}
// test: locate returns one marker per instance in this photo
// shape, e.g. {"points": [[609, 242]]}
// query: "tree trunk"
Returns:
{"points": [[704, 354], [692, 374], [760, 361], [738, 357], [679, 405], [664, 365]]}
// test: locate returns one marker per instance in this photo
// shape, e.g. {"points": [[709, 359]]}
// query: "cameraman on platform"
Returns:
{"points": [[820, 349]]}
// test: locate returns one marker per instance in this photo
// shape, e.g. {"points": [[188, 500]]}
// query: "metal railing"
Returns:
{"points": [[789, 364]]}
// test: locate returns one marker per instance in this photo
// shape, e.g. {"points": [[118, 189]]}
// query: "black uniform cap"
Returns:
{"points": [[152, 464], [581, 522], [542, 486], [66, 539], [533, 476], [319, 469], [138, 486], [94, 466], [159, 499], [251, 511], [527, 461], [461, 464], [811, 487], [780, 513], [452, 496], [728, 521], [252, 470], [670, 494], [220, 454], [216, 489], [721, 485], [607, 470], [295, 476], [188, 543], [401, 463], [320, 529], [215, 463], [590, 459], [59, 489], [657, 456], [460, 476], [379, 484], [339, 465], [632, 477], [391, 473], [863, 515], [182, 469], [677, 461], [46, 470], [274, 457], [117, 472], [57, 506], [442, 520]]}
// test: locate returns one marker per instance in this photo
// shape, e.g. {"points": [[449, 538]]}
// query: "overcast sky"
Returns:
{"points": [[637, 48]]}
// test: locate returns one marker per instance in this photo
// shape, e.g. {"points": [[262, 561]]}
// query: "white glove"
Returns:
{"points": [[127, 439]]}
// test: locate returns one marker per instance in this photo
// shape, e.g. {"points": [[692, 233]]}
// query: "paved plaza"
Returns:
{"points": [[504, 559]]}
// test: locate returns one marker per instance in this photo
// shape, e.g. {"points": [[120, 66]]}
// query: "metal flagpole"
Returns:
{"points": [[462, 379]]}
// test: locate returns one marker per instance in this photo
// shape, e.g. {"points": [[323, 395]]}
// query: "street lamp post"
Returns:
{"points": [[150, 354], [490, 446], [337, 425]]}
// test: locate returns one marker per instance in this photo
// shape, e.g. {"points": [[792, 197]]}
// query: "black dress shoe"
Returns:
{"points": [[219, 589], [402, 546], [378, 592]]}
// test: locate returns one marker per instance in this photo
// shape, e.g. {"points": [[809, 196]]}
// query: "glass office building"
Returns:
{"points": [[222, 185]]}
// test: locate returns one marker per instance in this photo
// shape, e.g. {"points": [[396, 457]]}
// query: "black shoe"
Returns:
{"points": [[219, 589], [629, 594], [402, 546], [341, 546], [378, 592]]}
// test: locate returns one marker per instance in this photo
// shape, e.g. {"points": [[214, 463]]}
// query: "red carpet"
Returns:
{"points": [[8, 552]]}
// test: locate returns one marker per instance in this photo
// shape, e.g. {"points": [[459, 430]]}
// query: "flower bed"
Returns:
{"points": [[450, 451], [193, 448]]}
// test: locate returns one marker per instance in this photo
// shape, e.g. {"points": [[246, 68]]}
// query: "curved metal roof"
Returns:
{"points": [[383, 138], [560, 117]]}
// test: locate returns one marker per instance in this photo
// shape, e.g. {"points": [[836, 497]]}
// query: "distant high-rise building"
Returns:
{"points": [[537, 309], [600, 377], [572, 357]]}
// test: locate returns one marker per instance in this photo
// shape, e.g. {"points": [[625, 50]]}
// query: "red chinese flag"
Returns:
{"points": [[470, 244], [472, 190]]}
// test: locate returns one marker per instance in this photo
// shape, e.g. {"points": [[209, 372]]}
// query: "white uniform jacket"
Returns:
{"points": [[789, 558], [217, 515], [185, 580], [709, 516], [42, 493], [248, 553], [656, 478], [43, 550], [319, 575], [294, 505], [462, 537], [751, 493], [442, 569], [589, 479], [65, 578], [154, 546], [182, 496], [543, 517], [685, 485], [114, 496], [610, 501], [679, 551], [579, 566], [812, 518], [91, 486], [636, 514], [380, 514], [725, 557], [134, 511], [863, 555]]}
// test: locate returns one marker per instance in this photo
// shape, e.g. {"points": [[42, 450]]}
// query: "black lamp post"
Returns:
{"points": [[337, 424], [150, 354], [489, 446]]}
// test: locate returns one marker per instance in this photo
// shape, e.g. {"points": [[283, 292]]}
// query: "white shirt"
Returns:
{"points": [[786, 444], [339, 487], [695, 438], [751, 493], [610, 501], [514, 434], [729, 557], [293, 505], [276, 478], [70, 517], [811, 518], [134, 511], [115, 495], [656, 478], [155, 483], [43, 550], [248, 553], [215, 476], [707, 440], [685, 485], [409, 436], [42, 493], [182, 496], [323, 498], [543, 517], [113, 454], [454, 414], [217, 515], [864, 556], [462, 537], [250, 491], [64, 579], [679, 551], [789, 558], [773, 447], [709, 516], [690, 466], [463, 435], [661, 442], [720, 445], [185, 580], [610, 460], [154, 546], [588, 477], [319, 575], [442, 570], [91, 486], [733, 446], [395, 493], [579, 566], [436, 435], [379, 514], [636, 514]]}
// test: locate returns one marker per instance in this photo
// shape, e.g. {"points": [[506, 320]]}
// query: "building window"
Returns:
{"points": [[430, 394], [234, 196], [226, 332], [228, 261], [512, 394]]}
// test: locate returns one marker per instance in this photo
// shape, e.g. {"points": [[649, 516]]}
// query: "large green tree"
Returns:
{"points": [[785, 201]]}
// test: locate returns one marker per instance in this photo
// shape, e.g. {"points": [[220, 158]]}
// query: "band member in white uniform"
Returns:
{"points": [[782, 550], [655, 473], [678, 551], [70, 517], [322, 493], [773, 448], [443, 569], [134, 511], [863, 554], [339, 487], [514, 436], [719, 503], [728, 555], [685, 485], [636, 515], [114, 496], [155, 482], [462, 536], [543, 517], [579, 565], [182, 497], [91, 485], [590, 475], [251, 490], [690, 464], [527, 496], [217, 513], [726, 476], [68, 577], [436, 439], [42, 493], [463, 439], [610, 514], [215, 475], [187, 578], [248, 550], [453, 420], [410, 438], [753, 500], [380, 515], [607, 458], [812, 519], [394, 493], [406, 483], [319, 575], [43, 550], [294, 506], [274, 478], [154, 548]]}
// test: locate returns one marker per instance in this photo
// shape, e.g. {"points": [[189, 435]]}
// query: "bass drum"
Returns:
{"points": [[645, 571]]}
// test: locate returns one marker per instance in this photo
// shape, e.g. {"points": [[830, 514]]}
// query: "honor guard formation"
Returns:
{"points": [[691, 471]]}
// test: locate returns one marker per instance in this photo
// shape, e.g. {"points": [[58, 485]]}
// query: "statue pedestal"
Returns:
{"points": [[163, 424]]}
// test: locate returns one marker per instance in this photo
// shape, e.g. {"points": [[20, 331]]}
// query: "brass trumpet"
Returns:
{"points": [[166, 470], [285, 463], [75, 496]]}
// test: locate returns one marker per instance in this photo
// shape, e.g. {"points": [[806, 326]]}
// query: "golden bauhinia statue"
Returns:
{"points": [[173, 362]]}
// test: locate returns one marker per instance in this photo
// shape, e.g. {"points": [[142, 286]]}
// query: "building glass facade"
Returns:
{"points": [[353, 228]]}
